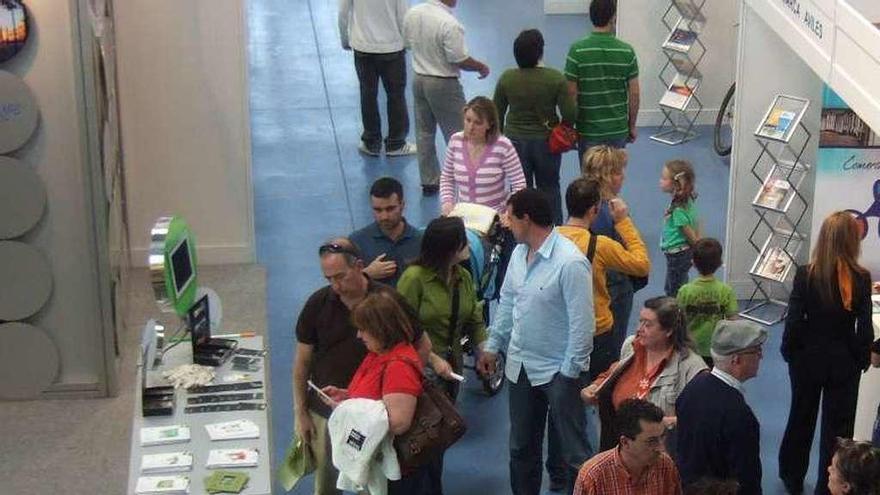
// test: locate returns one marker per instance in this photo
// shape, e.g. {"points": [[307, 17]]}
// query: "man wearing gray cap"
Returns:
{"points": [[718, 434]]}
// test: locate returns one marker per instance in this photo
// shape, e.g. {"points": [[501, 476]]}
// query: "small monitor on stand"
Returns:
{"points": [[173, 267]]}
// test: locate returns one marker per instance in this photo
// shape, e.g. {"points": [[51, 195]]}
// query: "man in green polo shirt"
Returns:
{"points": [[602, 74]]}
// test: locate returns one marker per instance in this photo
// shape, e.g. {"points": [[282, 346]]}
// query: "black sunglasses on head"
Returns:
{"points": [[334, 248]]}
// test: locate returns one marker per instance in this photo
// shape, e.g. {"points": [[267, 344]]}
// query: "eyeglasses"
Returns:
{"points": [[334, 248]]}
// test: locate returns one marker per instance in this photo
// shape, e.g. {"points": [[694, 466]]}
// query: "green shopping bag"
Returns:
{"points": [[298, 462]]}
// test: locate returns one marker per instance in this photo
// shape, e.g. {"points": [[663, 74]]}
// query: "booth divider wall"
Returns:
{"points": [[186, 122]]}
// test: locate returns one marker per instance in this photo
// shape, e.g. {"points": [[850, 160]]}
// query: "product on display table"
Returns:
{"points": [[210, 399], [226, 482], [232, 458], [166, 485], [237, 406], [172, 462], [225, 387], [161, 435], [233, 430]]}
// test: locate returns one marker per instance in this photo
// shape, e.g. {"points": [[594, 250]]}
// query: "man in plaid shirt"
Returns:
{"points": [[638, 465]]}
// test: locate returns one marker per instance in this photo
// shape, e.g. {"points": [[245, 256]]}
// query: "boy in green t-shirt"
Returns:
{"points": [[706, 301]]}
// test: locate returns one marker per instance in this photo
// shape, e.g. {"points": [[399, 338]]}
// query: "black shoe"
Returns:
{"points": [[557, 485], [793, 487], [430, 189]]}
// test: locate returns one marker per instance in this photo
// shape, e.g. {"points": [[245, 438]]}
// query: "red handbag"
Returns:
{"points": [[563, 137]]}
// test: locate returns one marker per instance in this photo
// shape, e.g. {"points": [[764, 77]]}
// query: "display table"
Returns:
{"points": [[869, 393], [260, 477]]}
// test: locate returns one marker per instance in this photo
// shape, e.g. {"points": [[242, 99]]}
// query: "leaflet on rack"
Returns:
{"points": [[679, 92], [232, 458], [233, 430], [774, 264], [162, 435], [681, 39], [173, 462], [773, 192], [166, 485], [777, 124]]}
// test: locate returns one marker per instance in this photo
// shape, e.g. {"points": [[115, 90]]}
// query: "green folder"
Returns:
{"points": [[298, 462]]}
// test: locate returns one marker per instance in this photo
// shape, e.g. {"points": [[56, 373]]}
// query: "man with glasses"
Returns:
{"points": [[718, 434], [328, 351], [638, 464], [389, 243]]}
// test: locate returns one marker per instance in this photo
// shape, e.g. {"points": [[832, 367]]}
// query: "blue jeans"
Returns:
{"points": [[529, 407], [584, 144], [677, 267], [541, 169], [620, 290]]}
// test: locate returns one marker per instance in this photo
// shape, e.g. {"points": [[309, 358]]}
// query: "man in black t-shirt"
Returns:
{"points": [[328, 351]]}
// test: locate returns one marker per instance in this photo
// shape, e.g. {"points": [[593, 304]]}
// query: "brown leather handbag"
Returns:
{"points": [[436, 425]]}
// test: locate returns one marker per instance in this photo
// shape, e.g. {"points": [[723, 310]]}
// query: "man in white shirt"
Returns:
{"points": [[373, 29], [436, 40]]}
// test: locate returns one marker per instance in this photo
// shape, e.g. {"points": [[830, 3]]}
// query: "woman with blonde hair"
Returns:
{"points": [[607, 165], [826, 344]]}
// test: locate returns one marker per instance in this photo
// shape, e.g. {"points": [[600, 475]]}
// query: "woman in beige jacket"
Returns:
{"points": [[655, 365]]}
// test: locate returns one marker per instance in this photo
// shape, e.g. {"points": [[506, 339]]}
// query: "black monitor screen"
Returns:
{"points": [[181, 266]]}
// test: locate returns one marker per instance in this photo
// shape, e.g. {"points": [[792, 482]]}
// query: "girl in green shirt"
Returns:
{"points": [[680, 230]]}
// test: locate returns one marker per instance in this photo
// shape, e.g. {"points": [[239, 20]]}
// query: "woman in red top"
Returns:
{"points": [[391, 372]]}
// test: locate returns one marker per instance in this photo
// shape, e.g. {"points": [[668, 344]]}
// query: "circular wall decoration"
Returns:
{"points": [[18, 111], [29, 357], [25, 280], [14, 28], [22, 198]]}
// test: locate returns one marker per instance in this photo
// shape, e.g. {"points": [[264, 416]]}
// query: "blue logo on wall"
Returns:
{"points": [[873, 211]]}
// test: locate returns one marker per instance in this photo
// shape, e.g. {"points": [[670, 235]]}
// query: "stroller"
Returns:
{"points": [[483, 228]]}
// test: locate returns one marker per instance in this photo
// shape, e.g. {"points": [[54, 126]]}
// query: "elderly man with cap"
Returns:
{"points": [[718, 434]]}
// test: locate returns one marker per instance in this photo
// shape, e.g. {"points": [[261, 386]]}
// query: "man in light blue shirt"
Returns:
{"points": [[545, 324]]}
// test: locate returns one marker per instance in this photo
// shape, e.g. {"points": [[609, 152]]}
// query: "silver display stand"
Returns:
{"points": [[260, 482], [684, 51], [777, 236]]}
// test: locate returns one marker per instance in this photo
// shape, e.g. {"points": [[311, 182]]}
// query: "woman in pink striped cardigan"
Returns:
{"points": [[481, 166]]}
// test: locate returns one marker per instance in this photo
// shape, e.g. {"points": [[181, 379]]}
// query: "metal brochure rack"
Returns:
{"points": [[780, 207], [684, 51]]}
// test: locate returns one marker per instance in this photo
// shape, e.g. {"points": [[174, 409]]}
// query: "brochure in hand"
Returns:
{"points": [[679, 92]]}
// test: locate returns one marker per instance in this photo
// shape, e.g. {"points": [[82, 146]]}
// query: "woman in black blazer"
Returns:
{"points": [[826, 344]]}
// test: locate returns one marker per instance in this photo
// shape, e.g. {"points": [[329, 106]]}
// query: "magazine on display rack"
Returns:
{"points": [[679, 92], [681, 39], [774, 192], [774, 264]]}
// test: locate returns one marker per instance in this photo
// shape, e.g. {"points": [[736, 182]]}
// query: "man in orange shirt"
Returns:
{"points": [[638, 465]]}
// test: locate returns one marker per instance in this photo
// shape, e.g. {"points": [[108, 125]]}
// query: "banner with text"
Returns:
{"points": [[848, 175]]}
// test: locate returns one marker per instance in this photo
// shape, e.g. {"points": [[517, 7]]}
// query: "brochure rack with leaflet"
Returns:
{"points": [[679, 75], [777, 236]]}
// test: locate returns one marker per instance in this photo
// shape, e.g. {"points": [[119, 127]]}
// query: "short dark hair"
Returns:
{"points": [[602, 11], [528, 48], [443, 239], [533, 203], [707, 255], [859, 465], [581, 195], [632, 411], [384, 187]]}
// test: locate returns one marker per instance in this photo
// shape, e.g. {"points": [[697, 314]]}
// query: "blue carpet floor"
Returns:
{"points": [[311, 184]]}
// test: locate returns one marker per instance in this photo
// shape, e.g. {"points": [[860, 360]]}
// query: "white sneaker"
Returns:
{"points": [[367, 151], [406, 149]]}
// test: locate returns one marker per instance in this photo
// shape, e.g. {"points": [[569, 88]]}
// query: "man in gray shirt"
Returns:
{"points": [[436, 40]]}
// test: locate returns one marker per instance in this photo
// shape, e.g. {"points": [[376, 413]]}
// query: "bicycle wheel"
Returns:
{"points": [[724, 124]]}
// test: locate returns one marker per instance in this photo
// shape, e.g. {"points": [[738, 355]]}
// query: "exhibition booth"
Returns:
{"points": [[96, 147]]}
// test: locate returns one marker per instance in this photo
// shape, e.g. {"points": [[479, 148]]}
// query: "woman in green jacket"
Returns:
{"points": [[443, 295], [429, 285]]}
